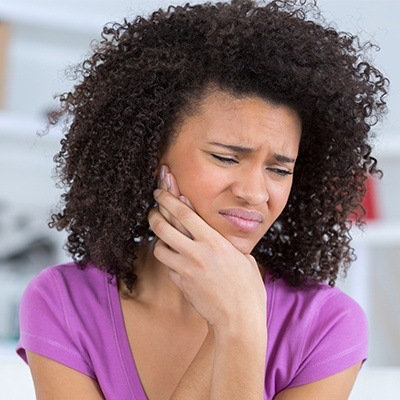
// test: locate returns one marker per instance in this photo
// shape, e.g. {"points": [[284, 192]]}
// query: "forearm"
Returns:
{"points": [[196, 382], [239, 365]]}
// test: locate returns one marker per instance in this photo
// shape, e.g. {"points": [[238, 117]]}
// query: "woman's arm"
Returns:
{"points": [[196, 382], [218, 368], [239, 365], [226, 288], [55, 381], [334, 387]]}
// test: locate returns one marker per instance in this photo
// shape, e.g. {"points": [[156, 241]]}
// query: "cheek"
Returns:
{"points": [[201, 188], [279, 197], [196, 179]]}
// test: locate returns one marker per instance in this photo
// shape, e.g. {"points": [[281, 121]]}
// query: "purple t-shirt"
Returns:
{"points": [[74, 316]]}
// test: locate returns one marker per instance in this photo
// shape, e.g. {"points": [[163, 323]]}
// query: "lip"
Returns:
{"points": [[244, 220]]}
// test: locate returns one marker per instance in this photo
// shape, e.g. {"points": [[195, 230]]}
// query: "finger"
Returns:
{"points": [[175, 278], [161, 175], [161, 184], [196, 226], [167, 232], [173, 184], [168, 182], [174, 189], [163, 211], [164, 182], [186, 201], [181, 228], [168, 256]]}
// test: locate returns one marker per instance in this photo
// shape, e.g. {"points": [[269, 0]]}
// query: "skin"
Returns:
{"points": [[213, 184], [199, 272]]}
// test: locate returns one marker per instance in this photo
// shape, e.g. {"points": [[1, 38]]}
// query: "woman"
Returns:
{"points": [[254, 121]]}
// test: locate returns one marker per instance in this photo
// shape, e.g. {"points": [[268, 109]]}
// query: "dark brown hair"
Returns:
{"points": [[144, 74]]}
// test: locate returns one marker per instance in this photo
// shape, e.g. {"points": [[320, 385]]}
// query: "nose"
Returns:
{"points": [[251, 187]]}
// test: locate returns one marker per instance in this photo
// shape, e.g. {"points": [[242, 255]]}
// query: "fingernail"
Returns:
{"points": [[162, 172], [168, 180], [185, 200], [156, 193]]}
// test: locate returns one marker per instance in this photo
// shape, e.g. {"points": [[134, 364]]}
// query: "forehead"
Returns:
{"points": [[243, 121]]}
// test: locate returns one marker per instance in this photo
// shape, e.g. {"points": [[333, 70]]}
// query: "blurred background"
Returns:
{"points": [[39, 39]]}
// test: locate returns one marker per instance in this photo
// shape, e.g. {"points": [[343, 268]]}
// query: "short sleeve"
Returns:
{"points": [[44, 327], [337, 338]]}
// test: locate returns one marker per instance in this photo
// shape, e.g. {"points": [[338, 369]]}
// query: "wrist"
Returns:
{"points": [[246, 347], [248, 330]]}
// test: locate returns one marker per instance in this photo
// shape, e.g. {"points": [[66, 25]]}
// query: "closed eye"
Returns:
{"points": [[229, 160], [280, 172], [225, 160]]}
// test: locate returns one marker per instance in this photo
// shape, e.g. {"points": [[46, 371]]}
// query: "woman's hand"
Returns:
{"points": [[226, 288], [167, 181], [224, 285]]}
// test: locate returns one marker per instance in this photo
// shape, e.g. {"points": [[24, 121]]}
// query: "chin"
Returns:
{"points": [[245, 246]]}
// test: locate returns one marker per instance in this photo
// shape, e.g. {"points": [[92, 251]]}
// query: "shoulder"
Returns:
{"points": [[68, 273], [64, 289], [66, 279], [68, 291], [61, 311], [319, 302], [316, 331]]}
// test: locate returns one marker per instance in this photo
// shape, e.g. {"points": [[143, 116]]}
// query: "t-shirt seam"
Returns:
{"points": [[270, 301], [62, 302], [52, 343], [309, 324], [67, 323], [335, 356]]}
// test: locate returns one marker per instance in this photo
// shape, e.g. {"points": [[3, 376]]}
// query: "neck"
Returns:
{"points": [[154, 288]]}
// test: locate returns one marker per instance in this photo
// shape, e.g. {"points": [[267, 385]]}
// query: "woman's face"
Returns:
{"points": [[234, 159]]}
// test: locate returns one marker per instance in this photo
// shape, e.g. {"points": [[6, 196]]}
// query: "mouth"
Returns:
{"points": [[244, 220]]}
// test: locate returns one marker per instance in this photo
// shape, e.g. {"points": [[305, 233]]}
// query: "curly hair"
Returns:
{"points": [[145, 75]]}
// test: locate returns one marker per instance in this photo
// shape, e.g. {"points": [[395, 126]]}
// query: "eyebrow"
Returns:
{"points": [[284, 159], [242, 149]]}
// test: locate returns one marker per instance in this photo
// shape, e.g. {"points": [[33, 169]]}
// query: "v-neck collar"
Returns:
{"points": [[122, 341]]}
